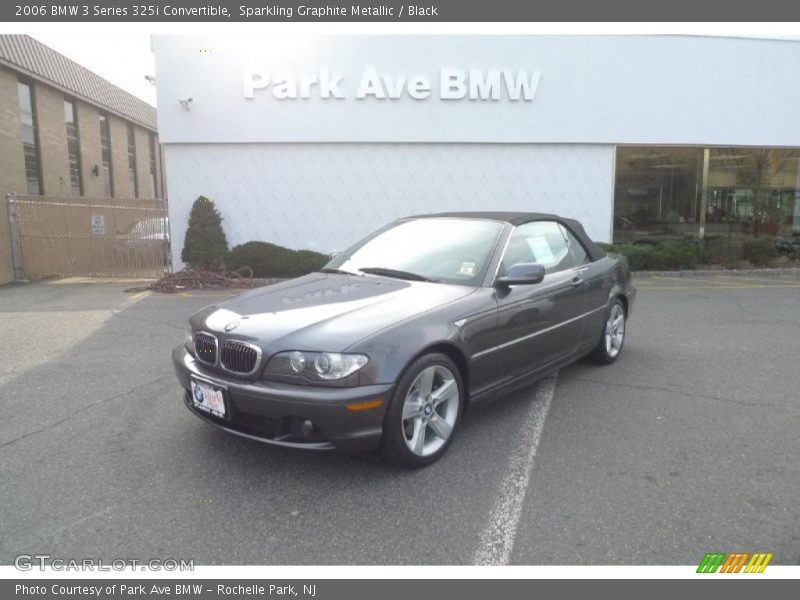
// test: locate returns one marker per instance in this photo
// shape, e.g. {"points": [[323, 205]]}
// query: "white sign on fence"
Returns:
{"points": [[98, 224]]}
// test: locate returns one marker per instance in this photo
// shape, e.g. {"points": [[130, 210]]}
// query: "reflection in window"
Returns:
{"points": [[753, 191], [30, 141], [657, 193], [662, 194], [105, 151], [73, 148]]}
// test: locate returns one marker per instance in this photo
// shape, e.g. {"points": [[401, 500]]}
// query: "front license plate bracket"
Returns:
{"points": [[209, 398]]}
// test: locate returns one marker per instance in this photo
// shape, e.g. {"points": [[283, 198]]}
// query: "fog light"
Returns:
{"points": [[306, 428]]}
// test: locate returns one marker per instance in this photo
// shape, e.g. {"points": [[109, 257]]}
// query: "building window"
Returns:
{"points": [[30, 138], [673, 193], [73, 148], [105, 150], [753, 191], [132, 160], [153, 169]]}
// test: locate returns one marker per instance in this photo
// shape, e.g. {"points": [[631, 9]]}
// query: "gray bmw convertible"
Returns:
{"points": [[387, 345]]}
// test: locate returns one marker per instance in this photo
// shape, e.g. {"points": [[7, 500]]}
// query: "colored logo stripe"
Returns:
{"points": [[711, 562], [759, 562], [733, 562]]}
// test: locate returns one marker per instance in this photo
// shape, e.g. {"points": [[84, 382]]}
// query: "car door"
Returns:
{"points": [[596, 284], [540, 323]]}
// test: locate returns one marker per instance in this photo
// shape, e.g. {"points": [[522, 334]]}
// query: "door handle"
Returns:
{"points": [[576, 281]]}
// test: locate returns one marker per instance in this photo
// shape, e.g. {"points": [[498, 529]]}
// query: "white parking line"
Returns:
{"points": [[497, 540]]}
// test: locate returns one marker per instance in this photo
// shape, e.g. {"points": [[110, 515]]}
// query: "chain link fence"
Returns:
{"points": [[93, 237]]}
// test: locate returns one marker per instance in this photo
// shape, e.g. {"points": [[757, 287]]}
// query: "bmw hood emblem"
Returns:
{"points": [[231, 326]]}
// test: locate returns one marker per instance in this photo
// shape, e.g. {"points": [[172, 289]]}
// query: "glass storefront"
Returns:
{"points": [[670, 193]]}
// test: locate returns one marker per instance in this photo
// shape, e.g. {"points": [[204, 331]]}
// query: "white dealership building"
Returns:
{"points": [[314, 142]]}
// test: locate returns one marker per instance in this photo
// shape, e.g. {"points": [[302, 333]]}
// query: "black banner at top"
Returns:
{"points": [[152, 11]]}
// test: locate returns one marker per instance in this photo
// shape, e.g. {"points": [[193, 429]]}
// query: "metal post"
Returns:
{"points": [[701, 231], [169, 233], [13, 225]]}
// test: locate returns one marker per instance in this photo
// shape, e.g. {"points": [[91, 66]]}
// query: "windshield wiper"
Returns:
{"points": [[397, 274]]}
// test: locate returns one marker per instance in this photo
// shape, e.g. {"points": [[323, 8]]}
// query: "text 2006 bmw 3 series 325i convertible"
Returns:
{"points": [[389, 344]]}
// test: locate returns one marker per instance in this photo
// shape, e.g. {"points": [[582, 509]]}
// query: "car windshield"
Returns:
{"points": [[442, 249]]}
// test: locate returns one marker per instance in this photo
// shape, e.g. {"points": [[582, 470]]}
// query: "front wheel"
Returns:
{"points": [[424, 412], [610, 344]]}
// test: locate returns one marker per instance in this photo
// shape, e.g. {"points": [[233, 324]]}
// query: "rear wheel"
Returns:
{"points": [[424, 412], [609, 347]]}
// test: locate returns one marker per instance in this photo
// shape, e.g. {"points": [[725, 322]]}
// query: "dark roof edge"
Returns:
{"points": [[513, 217]]}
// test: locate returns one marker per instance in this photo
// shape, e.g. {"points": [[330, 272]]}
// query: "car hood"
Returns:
{"points": [[323, 311]]}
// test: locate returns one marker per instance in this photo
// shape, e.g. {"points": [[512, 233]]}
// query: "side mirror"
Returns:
{"points": [[522, 274]]}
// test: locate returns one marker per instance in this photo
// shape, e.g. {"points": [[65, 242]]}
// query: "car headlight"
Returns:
{"points": [[315, 366]]}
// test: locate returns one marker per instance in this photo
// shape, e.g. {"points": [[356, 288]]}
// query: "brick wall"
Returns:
{"points": [[89, 132], [52, 141], [143, 164], [123, 187], [54, 155], [12, 164]]}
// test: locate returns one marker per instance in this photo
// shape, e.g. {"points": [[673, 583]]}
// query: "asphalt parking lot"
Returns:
{"points": [[688, 444]]}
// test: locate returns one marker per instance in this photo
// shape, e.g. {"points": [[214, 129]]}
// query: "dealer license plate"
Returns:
{"points": [[208, 398]]}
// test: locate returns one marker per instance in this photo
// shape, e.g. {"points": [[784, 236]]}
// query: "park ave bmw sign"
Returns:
{"points": [[451, 84]]}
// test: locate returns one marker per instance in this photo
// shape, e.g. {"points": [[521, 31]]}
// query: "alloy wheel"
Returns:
{"points": [[615, 330], [430, 410]]}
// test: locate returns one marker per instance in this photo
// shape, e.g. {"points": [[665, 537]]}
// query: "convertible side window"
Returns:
{"points": [[576, 249], [543, 242]]}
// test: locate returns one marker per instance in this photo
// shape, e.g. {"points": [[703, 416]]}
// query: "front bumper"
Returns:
{"points": [[271, 412]]}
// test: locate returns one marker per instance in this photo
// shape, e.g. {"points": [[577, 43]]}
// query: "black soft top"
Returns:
{"points": [[519, 218]]}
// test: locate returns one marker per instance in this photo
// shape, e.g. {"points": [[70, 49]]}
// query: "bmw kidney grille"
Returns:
{"points": [[239, 357], [205, 347]]}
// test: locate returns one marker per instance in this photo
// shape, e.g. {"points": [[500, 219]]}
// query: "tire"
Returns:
{"points": [[430, 394], [612, 338]]}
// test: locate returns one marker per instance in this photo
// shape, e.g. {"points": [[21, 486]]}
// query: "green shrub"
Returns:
{"points": [[723, 251], [205, 245], [639, 255], [759, 250], [688, 255], [681, 255], [270, 260], [658, 257]]}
